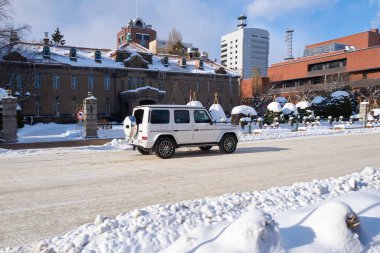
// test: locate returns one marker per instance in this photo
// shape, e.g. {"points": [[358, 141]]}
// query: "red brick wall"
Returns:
{"points": [[360, 40]]}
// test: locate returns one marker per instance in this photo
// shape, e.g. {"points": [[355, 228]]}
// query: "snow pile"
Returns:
{"points": [[303, 105], [289, 108], [339, 93], [194, 103], [253, 232], [274, 107], [232, 222], [217, 112], [244, 109], [376, 112]]}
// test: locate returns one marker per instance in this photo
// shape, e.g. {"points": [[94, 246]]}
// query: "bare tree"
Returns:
{"points": [[306, 94], [7, 29], [175, 45]]}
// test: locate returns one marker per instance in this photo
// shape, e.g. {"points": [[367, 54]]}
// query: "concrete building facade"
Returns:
{"points": [[245, 49]]}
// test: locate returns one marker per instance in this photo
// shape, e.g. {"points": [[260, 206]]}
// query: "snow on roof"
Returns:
{"points": [[303, 105], [289, 108], [274, 107], [85, 58], [339, 93], [217, 112], [144, 88], [318, 100], [195, 103], [244, 109]]}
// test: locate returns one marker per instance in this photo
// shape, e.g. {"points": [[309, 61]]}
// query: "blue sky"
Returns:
{"points": [[94, 23]]}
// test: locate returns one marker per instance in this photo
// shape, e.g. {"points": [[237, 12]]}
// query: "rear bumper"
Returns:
{"points": [[140, 143]]}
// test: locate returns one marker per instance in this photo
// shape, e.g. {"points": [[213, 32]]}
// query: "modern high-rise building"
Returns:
{"points": [[245, 49]]}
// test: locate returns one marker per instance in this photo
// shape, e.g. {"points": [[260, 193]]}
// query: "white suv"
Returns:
{"points": [[160, 129]]}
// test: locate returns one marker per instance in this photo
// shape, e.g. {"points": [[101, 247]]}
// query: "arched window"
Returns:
{"points": [[73, 54], [165, 61], [200, 66], [46, 52], [98, 56]]}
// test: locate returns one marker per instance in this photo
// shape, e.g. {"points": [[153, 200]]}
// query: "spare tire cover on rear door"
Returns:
{"points": [[130, 126]]}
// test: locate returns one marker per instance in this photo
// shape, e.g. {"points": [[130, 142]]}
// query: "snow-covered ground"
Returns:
{"points": [[331, 215]]}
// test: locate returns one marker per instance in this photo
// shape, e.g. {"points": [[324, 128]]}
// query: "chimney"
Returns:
{"points": [[14, 37], [46, 39]]}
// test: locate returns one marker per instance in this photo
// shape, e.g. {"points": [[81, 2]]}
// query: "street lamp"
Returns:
{"points": [[21, 97]]}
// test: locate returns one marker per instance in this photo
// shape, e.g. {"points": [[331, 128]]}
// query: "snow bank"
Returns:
{"points": [[231, 222], [376, 112], [244, 109], [317, 100], [339, 93], [303, 105], [217, 112], [274, 107]]}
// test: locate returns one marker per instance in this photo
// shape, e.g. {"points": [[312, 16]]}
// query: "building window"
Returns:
{"points": [[135, 82], [208, 87], [160, 85], [108, 107], [73, 53], [37, 107], [57, 107], [37, 81], [197, 87], [174, 84], [90, 82], [185, 88], [56, 82], [74, 105], [107, 82], [19, 81], [74, 83]]}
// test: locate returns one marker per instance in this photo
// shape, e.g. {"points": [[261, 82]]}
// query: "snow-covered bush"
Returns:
{"points": [[273, 111], [289, 110], [339, 104], [217, 113], [304, 110], [242, 111], [281, 100], [194, 103], [318, 106]]}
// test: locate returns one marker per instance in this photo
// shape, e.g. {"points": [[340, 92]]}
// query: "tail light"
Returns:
{"points": [[144, 138]]}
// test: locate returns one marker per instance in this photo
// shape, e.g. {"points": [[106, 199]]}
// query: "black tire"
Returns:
{"points": [[144, 151], [164, 148], [205, 148], [228, 144]]}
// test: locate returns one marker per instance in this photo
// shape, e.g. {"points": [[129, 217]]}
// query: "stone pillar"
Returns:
{"points": [[363, 111], [9, 119], [90, 116]]}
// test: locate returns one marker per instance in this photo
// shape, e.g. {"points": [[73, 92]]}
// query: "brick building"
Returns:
{"points": [[59, 77], [352, 60], [136, 31]]}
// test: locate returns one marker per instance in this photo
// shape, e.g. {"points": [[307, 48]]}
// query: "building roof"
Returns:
{"points": [[85, 57]]}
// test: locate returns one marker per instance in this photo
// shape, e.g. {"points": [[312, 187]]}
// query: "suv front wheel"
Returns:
{"points": [[165, 148], [228, 143]]}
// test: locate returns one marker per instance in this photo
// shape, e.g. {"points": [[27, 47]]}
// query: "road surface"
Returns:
{"points": [[48, 194]]}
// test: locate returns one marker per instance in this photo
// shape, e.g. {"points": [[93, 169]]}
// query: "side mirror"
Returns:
{"points": [[212, 122]]}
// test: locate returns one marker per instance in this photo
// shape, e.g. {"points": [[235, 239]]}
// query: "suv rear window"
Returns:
{"points": [[159, 117], [139, 115], [181, 116]]}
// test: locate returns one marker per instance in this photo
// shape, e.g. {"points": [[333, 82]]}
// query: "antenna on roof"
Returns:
{"points": [[136, 8], [289, 43], [243, 21]]}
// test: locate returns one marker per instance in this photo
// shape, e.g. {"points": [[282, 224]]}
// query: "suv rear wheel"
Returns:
{"points": [[228, 143], [165, 148], [205, 148], [144, 151]]}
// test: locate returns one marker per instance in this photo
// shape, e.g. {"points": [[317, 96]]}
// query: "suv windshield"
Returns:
{"points": [[139, 115]]}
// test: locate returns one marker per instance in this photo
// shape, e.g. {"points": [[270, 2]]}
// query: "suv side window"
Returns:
{"points": [[201, 116], [159, 117], [181, 116]]}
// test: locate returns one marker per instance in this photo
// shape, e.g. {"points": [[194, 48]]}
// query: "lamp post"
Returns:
{"points": [[21, 97]]}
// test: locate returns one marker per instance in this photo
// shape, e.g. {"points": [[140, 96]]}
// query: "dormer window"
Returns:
{"points": [[46, 52], [73, 54], [119, 57], [165, 61], [183, 63], [200, 64], [98, 56]]}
